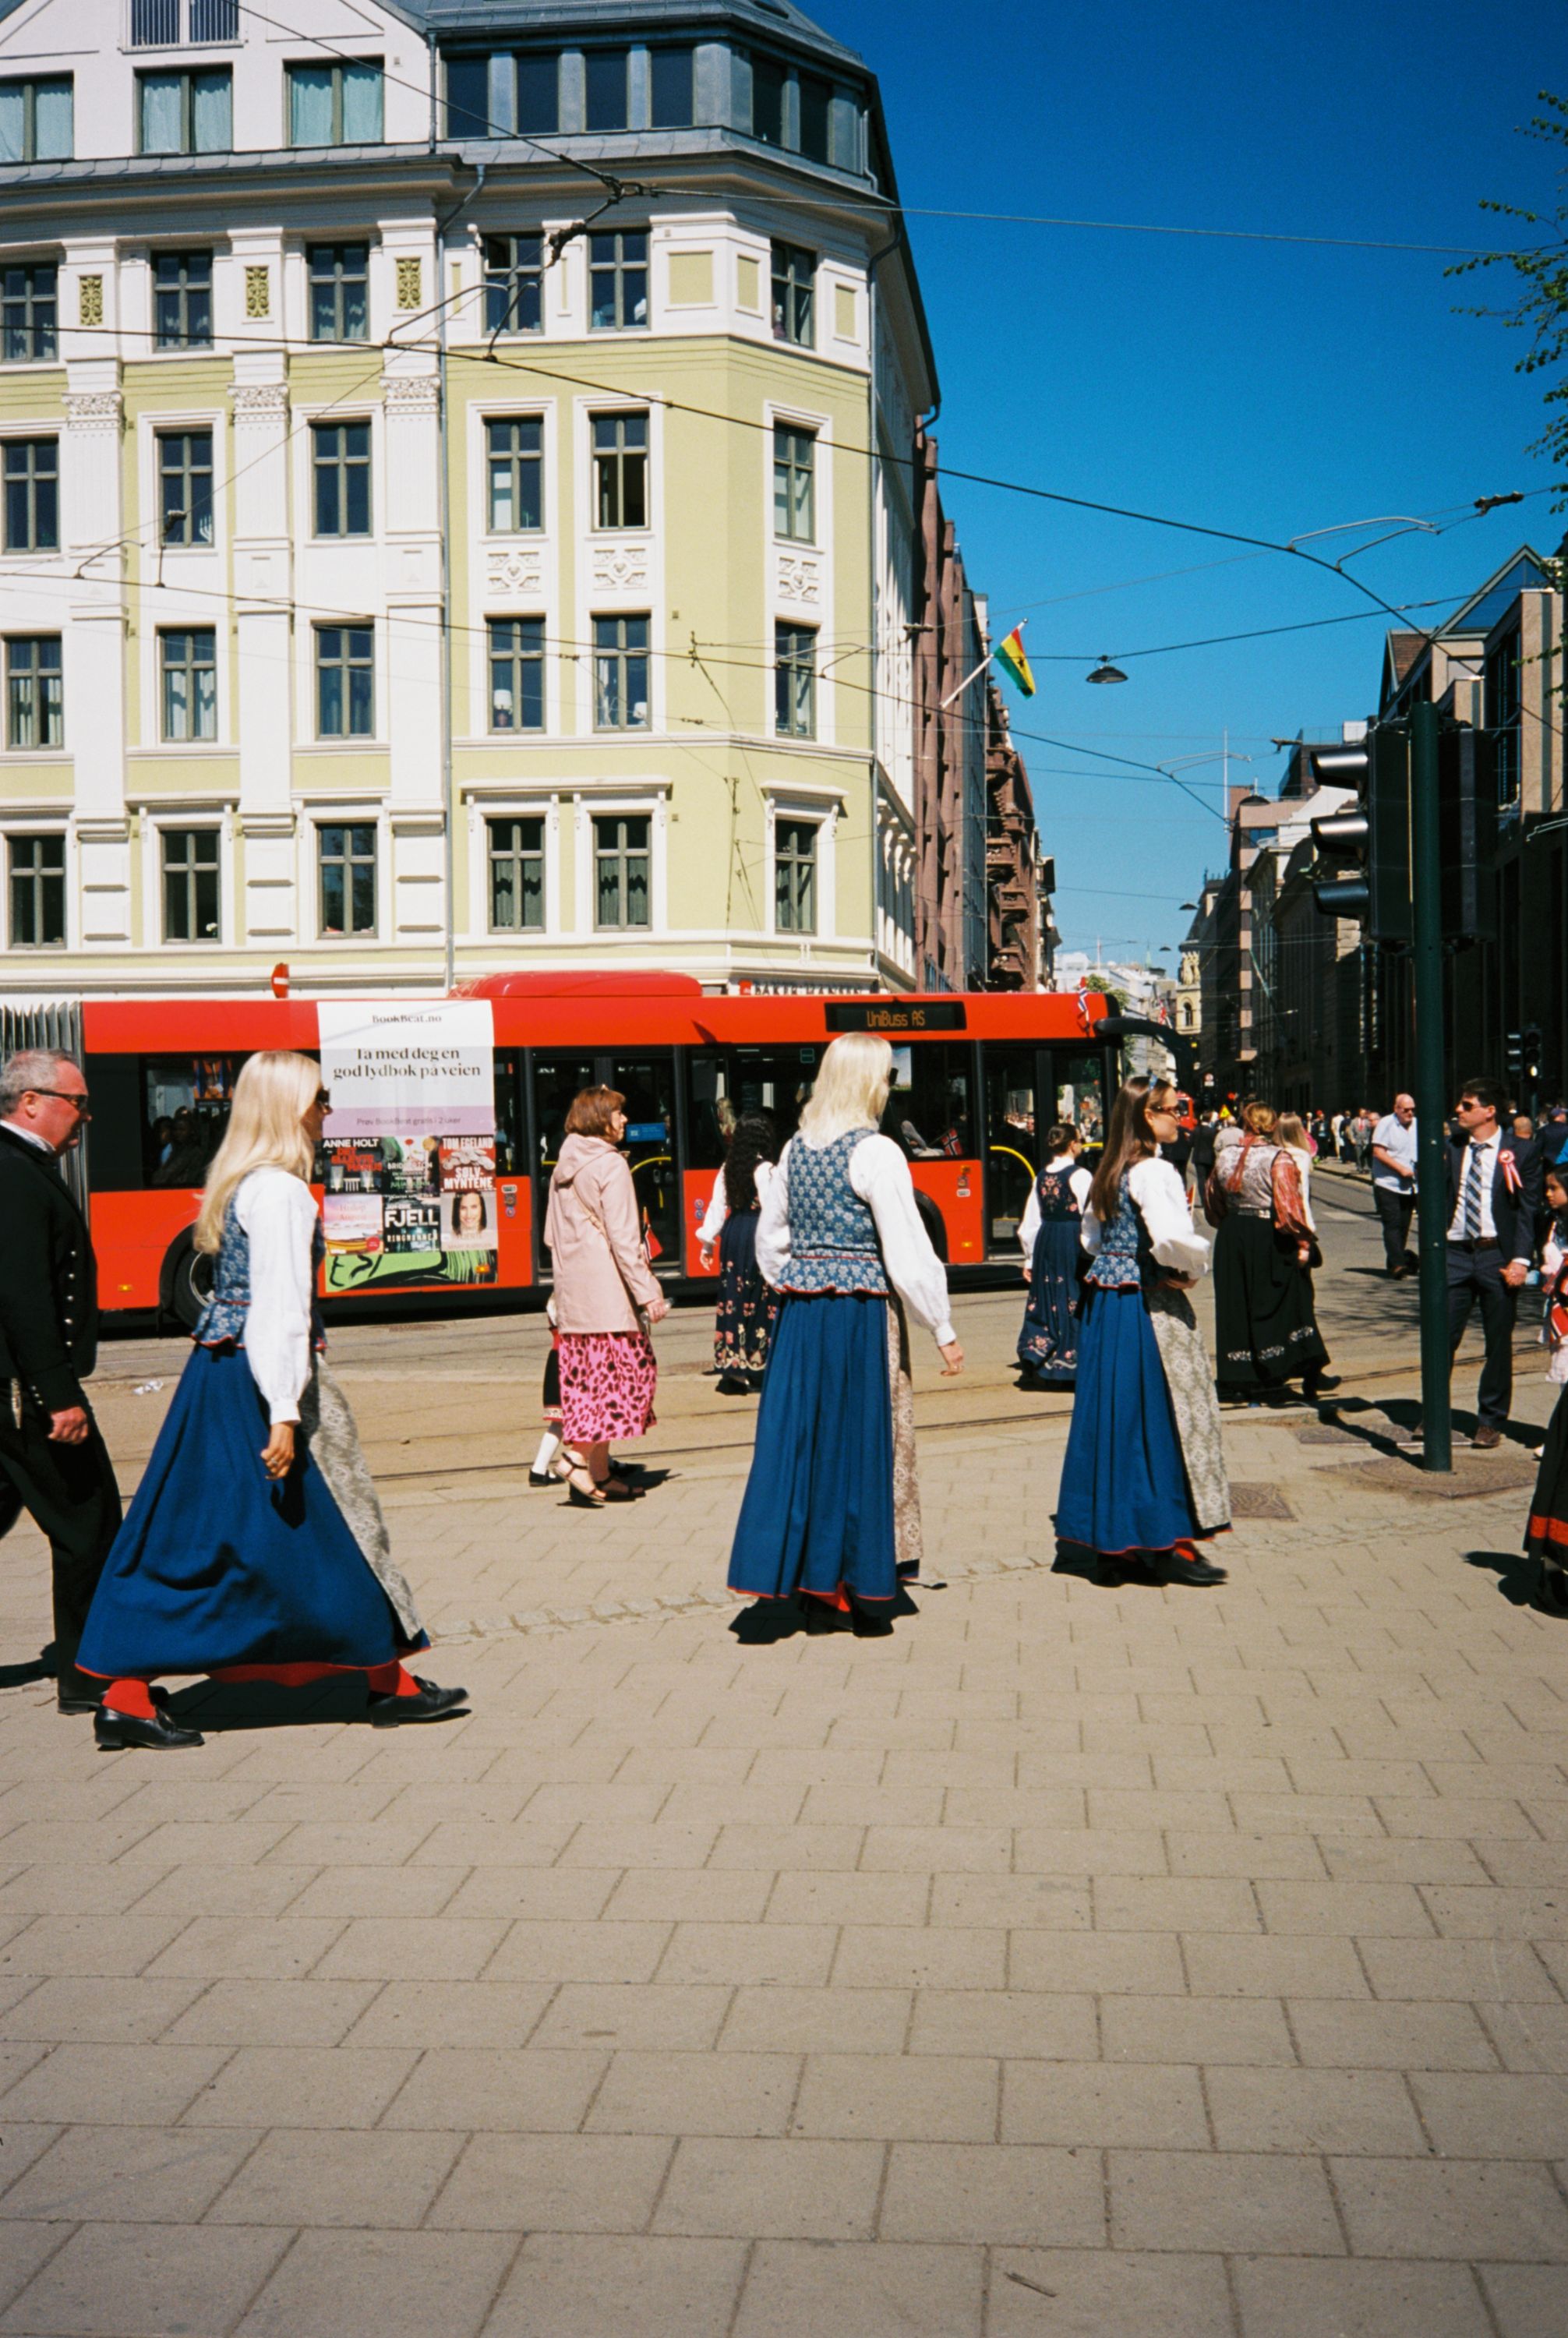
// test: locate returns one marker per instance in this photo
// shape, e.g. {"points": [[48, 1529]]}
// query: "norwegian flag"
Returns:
{"points": [[1081, 995]]}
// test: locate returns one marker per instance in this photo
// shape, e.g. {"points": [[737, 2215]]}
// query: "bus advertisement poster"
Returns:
{"points": [[409, 1071], [412, 1088], [352, 1225]]}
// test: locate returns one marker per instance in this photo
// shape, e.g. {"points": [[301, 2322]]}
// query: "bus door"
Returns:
{"points": [[931, 1116], [647, 1084], [1017, 1077], [721, 1083], [554, 1080]]}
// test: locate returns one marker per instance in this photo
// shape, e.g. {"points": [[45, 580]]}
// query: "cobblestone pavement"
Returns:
{"points": [[1077, 1960]]}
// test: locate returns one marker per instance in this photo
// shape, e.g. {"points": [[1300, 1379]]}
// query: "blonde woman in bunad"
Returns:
{"points": [[607, 1299], [1143, 1479], [255, 1548], [1266, 1331], [1050, 1236], [744, 1321], [832, 1508]]}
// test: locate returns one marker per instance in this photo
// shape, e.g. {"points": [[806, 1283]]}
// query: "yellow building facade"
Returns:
{"points": [[427, 552]]}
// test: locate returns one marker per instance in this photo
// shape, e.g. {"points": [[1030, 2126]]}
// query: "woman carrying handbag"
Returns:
{"points": [[1266, 1331], [607, 1299]]}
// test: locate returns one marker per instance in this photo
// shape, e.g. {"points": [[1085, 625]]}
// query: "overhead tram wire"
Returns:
{"points": [[746, 422]]}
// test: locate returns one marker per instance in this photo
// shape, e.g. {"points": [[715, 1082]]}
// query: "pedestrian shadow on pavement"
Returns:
{"points": [[1520, 1579], [218, 1706], [1393, 1427], [766, 1621]]}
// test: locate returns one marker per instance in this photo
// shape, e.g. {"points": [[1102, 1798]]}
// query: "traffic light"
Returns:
{"points": [[1375, 842], [1514, 1059], [1467, 815], [1530, 1049]]}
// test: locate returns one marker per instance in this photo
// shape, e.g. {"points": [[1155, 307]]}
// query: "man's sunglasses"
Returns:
{"points": [[79, 1097]]}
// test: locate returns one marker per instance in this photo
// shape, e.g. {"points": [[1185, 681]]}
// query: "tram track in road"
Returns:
{"points": [[1298, 1416]]}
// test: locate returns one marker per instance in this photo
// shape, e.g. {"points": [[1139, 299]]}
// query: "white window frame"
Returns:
{"points": [[512, 804], [633, 799], [313, 816], [822, 808], [781, 551], [198, 811], [641, 595], [51, 823]]}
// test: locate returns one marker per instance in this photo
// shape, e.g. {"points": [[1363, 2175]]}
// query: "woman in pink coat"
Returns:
{"points": [[606, 1299]]}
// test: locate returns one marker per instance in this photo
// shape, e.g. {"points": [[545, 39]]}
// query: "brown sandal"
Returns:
{"points": [[580, 1486]]}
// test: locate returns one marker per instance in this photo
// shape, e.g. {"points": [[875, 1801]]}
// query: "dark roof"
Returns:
{"points": [[778, 19]]}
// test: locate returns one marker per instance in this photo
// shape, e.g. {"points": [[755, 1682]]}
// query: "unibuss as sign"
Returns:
{"points": [[890, 1015]]}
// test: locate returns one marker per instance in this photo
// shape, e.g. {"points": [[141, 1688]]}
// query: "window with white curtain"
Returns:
{"points": [[36, 120], [187, 112], [335, 104]]}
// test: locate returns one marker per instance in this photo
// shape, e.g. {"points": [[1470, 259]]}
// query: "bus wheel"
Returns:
{"points": [[187, 1282]]}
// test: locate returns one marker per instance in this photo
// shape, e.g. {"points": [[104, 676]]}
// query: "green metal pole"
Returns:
{"points": [[1431, 1096]]}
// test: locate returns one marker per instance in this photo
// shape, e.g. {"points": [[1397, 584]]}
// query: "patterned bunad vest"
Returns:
{"points": [[222, 1319], [1053, 1192], [832, 1233], [1124, 1252]]}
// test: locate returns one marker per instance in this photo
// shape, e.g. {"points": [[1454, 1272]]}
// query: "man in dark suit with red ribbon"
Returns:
{"points": [[1493, 1193], [53, 1461]]}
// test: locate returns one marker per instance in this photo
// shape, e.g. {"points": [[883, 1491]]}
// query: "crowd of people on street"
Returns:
{"points": [[255, 1549]]}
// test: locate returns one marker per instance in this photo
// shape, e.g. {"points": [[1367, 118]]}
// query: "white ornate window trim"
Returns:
{"points": [[619, 572], [506, 800], [648, 799], [18, 821], [197, 811], [821, 807], [800, 576]]}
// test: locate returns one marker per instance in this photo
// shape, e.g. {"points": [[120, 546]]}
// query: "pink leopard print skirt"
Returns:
{"points": [[607, 1384]]}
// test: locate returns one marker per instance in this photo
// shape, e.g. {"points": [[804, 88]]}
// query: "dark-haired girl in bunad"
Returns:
{"points": [[832, 1509], [1546, 1534], [743, 1323], [255, 1548], [1051, 1235], [1143, 1479]]}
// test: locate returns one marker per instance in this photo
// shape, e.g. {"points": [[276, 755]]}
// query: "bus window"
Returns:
{"points": [[648, 1085], [774, 1080], [510, 1145], [929, 1104], [1011, 1150], [1079, 1099], [184, 1111], [557, 1080]]}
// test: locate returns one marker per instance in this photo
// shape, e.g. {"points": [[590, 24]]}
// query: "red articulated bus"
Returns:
{"points": [[978, 1080]]}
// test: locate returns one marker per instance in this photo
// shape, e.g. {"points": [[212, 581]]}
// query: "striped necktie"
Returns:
{"points": [[1471, 1221]]}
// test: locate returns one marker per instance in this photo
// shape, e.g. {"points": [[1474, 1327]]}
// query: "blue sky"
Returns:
{"points": [[1266, 387]]}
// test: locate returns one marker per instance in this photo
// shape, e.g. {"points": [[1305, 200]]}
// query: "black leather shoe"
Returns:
{"points": [[432, 1703], [73, 1703], [871, 1627], [1196, 1571], [119, 1733]]}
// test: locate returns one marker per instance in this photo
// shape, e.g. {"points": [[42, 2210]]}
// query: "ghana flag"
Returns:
{"points": [[1013, 662]]}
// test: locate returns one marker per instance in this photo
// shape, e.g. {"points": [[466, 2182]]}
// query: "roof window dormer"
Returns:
{"points": [[184, 24]]}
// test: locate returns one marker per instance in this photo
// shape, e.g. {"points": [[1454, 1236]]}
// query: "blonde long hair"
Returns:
{"points": [[850, 1090], [272, 1095]]}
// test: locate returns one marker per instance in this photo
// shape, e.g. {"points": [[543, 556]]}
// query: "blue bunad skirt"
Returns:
{"points": [[217, 1566], [1123, 1480], [817, 1514], [1048, 1342]]}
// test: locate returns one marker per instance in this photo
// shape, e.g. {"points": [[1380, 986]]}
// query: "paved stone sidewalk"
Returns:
{"points": [[1076, 1961]]}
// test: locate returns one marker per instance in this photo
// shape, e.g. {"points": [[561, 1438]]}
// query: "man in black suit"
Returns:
{"points": [[1493, 1193], [52, 1455]]}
